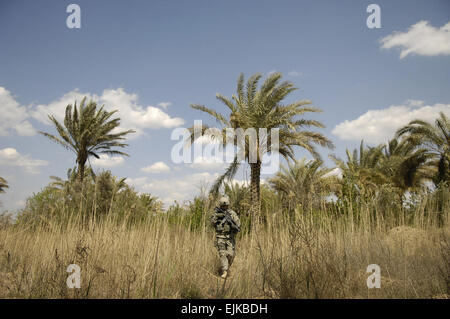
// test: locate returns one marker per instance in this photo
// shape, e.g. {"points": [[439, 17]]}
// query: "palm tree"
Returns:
{"points": [[3, 185], [239, 197], [255, 108], [60, 184], [404, 166], [88, 132], [303, 182], [435, 140], [360, 172], [107, 187], [151, 203]]}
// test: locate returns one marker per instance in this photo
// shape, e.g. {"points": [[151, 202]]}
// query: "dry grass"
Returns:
{"points": [[305, 258]]}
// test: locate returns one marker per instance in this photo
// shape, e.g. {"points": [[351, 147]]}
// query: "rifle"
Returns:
{"points": [[227, 218]]}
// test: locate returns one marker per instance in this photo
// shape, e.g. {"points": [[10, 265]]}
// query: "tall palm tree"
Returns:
{"points": [[88, 132], [435, 140], [3, 185], [256, 108], [303, 182]]}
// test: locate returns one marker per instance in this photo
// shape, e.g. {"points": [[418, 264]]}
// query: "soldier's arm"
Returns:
{"points": [[216, 217], [236, 219]]}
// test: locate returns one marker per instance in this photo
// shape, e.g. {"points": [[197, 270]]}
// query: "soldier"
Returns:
{"points": [[227, 224]]}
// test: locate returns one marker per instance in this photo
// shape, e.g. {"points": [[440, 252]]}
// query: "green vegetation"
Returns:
{"points": [[263, 108], [318, 228], [88, 132]]}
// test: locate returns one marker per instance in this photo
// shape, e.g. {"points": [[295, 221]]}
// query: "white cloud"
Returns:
{"points": [[136, 182], [295, 73], [108, 161], [205, 163], [420, 39], [164, 105], [11, 157], [132, 114], [334, 172], [57, 108], [378, 126], [178, 188], [158, 167], [20, 204], [14, 117], [415, 103], [135, 116]]}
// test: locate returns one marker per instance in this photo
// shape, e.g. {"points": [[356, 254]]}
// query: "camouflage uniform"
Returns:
{"points": [[225, 237]]}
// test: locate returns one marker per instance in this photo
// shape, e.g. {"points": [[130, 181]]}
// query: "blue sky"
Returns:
{"points": [[138, 56]]}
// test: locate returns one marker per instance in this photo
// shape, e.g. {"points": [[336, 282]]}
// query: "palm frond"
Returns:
{"points": [[229, 174]]}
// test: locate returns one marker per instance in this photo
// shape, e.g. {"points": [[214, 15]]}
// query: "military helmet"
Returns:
{"points": [[224, 201]]}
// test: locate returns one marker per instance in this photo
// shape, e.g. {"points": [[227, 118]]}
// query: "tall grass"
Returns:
{"points": [[307, 254]]}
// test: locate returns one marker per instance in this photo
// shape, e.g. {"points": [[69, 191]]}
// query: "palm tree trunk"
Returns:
{"points": [[441, 198], [81, 165], [255, 173]]}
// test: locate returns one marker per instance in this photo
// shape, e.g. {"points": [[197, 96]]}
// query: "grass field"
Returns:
{"points": [[308, 256]]}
